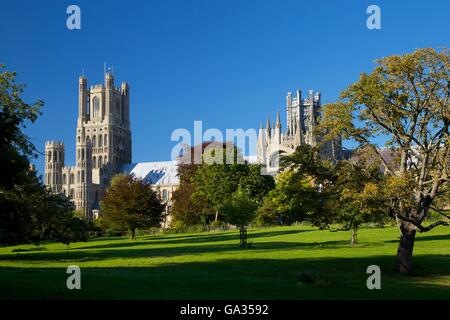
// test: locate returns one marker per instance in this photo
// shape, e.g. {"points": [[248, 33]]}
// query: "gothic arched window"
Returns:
{"points": [[94, 141], [72, 179], [100, 140], [96, 105]]}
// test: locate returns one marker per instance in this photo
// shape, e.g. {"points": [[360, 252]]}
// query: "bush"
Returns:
{"points": [[110, 233], [217, 224]]}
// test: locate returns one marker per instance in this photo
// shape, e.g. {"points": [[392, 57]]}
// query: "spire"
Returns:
{"points": [[260, 131], [268, 128], [278, 123]]}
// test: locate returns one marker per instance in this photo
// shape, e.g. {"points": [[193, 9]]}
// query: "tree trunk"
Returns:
{"points": [[217, 215], [243, 237], [132, 232], [405, 247], [354, 239]]}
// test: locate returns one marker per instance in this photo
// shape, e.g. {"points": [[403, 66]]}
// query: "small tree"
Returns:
{"points": [[354, 197], [130, 203], [240, 211], [293, 199]]}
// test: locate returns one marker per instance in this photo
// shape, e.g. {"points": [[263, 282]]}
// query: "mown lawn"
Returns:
{"points": [[284, 263]]}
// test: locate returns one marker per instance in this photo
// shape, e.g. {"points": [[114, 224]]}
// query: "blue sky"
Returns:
{"points": [[228, 63]]}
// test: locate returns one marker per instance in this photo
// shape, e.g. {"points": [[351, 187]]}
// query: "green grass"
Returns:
{"points": [[284, 263]]}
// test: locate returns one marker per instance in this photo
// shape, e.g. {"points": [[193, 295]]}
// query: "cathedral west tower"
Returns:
{"points": [[103, 144]]}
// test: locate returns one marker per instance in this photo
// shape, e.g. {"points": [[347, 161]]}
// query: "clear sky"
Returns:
{"points": [[228, 63]]}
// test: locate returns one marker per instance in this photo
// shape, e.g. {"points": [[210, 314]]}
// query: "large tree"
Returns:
{"points": [[29, 212], [189, 207], [405, 100], [216, 179], [131, 203], [15, 146]]}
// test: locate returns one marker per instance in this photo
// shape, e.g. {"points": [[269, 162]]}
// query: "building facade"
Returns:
{"points": [[302, 117], [103, 147]]}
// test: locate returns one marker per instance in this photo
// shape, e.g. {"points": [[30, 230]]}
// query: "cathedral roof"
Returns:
{"points": [[161, 172], [155, 173]]}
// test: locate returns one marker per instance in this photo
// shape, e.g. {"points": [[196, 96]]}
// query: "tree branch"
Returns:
{"points": [[419, 226]]}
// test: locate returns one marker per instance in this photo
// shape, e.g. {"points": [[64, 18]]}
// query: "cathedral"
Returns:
{"points": [[103, 146], [302, 115], [103, 149]]}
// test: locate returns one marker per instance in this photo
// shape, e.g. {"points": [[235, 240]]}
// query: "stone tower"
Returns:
{"points": [[103, 144], [54, 164], [302, 116]]}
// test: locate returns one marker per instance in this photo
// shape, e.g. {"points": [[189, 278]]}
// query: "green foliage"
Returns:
{"points": [[355, 195], [14, 115], [55, 220], [240, 209], [256, 185], [217, 182], [189, 208], [293, 199], [207, 187], [348, 193], [130, 203], [29, 213]]}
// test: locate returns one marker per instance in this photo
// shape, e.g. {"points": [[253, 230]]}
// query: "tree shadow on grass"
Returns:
{"points": [[422, 237], [84, 255], [158, 240], [234, 279]]}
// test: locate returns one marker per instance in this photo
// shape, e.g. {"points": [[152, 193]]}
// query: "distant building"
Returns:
{"points": [[302, 116]]}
